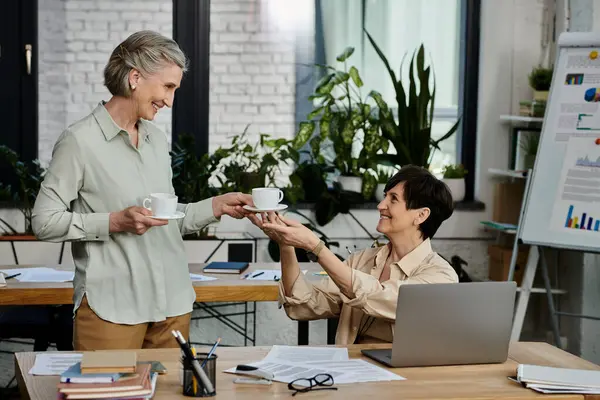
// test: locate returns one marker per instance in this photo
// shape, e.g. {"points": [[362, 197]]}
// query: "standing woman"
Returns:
{"points": [[132, 283]]}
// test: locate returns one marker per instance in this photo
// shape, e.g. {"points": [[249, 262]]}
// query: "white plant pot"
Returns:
{"points": [[457, 188], [379, 195], [351, 183]]}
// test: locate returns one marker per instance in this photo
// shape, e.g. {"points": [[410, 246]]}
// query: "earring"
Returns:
{"points": [[133, 87]]}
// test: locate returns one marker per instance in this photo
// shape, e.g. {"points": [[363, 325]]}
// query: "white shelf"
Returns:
{"points": [[520, 118], [507, 172]]}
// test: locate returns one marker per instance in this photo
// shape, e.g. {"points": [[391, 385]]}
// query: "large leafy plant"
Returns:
{"points": [[29, 176], [345, 120], [410, 133]]}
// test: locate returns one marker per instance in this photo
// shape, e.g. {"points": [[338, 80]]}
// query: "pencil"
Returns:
{"points": [[193, 377]]}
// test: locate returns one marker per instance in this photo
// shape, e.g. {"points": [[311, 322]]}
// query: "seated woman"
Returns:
{"points": [[363, 290]]}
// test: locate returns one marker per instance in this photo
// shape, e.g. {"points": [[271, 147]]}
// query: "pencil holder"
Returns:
{"points": [[191, 386]]}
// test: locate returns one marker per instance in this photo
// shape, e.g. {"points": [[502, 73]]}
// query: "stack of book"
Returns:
{"points": [[108, 375], [552, 380]]}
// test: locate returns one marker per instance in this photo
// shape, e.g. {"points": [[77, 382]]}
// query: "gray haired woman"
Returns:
{"points": [[132, 283]]}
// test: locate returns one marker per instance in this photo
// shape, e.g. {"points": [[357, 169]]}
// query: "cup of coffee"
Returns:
{"points": [[266, 198], [161, 204]]}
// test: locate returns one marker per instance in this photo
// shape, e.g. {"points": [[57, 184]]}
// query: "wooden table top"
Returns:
{"points": [[228, 287], [450, 382]]}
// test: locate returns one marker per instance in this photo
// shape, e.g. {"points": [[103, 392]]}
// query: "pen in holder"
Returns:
{"points": [[191, 386]]}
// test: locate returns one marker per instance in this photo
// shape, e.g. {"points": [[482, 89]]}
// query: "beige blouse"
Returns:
{"points": [[370, 315]]}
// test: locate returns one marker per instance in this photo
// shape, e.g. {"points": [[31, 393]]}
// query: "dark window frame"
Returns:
{"points": [[191, 30]]}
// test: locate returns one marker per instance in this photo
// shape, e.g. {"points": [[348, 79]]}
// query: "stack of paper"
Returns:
{"points": [[288, 363], [558, 380]]}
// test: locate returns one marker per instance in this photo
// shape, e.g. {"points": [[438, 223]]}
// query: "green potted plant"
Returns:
{"points": [[245, 165], [454, 178], [529, 144], [347, 124], [410, 132], [30, 176], [540, 79], [383, 176]]}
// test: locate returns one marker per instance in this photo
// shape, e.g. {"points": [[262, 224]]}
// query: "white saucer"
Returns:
{"points": [[177, 215], [254, 209]]}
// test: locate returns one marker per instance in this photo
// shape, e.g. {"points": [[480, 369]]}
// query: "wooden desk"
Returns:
{"points": [[227, 288], [453, 382]]}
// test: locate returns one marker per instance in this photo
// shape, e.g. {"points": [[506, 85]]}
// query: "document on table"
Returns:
{"points": [[202, 278], [288, 363], [53, 363], [299, 354], [40, 274]]}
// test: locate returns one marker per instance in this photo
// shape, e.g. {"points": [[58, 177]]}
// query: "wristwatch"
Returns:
{"points": [[314, 254]]}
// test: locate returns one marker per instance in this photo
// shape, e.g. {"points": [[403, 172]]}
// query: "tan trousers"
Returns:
{"points": [[90, 332]]}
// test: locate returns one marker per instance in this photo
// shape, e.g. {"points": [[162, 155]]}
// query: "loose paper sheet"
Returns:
{"points": [[40, 274], [288, 363], [202, 278], [53, 363]]}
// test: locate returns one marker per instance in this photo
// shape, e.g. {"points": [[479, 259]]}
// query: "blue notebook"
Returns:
{"points": [[73, 375], [225, 267]]}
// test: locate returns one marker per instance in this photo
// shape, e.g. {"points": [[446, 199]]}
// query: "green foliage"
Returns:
{"points": [[411, 135], [384, 174], [251, 165], [540, 78], [344, 119], [530, 142], [454, 171], [191, 174], [30, 176]]}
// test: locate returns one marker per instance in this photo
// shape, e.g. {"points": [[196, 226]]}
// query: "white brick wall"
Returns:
{"points": [[76, 38], [252, 72]]}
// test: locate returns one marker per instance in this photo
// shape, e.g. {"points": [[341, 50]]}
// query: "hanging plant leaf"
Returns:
{"points": [[345, 54], [355, 76]]}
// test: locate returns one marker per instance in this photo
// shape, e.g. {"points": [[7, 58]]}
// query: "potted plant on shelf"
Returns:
{"points": [[245, 166], [347, 124], [529, 144], [410, 133], [383, 176], [454, 178], [540, 79], [30, 176]]}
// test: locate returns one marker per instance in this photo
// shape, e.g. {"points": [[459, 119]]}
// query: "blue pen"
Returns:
{"points": [[211, 352]]}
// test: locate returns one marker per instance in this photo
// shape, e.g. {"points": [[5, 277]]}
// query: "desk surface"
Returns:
{"points": [[453, 382], [227, 287]]}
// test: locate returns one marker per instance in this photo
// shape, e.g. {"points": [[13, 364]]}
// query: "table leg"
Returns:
{"points": [[14, 251], [332, 324], [302, 333]]}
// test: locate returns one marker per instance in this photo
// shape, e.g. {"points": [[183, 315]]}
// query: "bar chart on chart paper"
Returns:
{"points": [[577, 203], [582, 221]]}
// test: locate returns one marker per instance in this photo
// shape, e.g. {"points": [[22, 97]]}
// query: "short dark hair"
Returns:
{"points": [[422, 189]]}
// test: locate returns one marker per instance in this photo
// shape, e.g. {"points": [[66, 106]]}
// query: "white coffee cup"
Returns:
{"points": [[266, 198], [161, 204]]}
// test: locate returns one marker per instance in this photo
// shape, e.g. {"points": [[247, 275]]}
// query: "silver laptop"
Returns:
{"points": [[450, 324]]}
